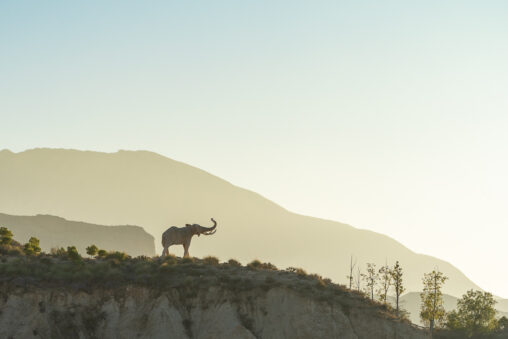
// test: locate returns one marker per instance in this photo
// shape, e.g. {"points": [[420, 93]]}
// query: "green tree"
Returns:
{"points": [[370, 278], [5, 236], [475, 314], [386, 281], [398, 286], [92, 250], [32, 247], [432, 311]]}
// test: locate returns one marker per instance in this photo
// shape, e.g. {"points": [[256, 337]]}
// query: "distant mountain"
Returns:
{"points": [[57, 232], [147, 189], [411, 302]]}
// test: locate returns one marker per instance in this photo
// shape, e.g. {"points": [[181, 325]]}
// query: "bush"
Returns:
{"points": [[257, 265], [300, 271], [32, 247], [210, 261], [234, 262], [254, 264], [120, 256], [170, 260], [188, 260], [5, 236], [102, 253], [72, 254], [59, 252]]}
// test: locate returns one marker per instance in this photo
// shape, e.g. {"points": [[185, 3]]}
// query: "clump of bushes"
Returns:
{"points": [[210, 261], [116, 255], [300, 271]]}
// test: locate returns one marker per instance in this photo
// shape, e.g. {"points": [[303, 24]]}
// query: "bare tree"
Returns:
{"points": [[350, 277], [358, 279]]}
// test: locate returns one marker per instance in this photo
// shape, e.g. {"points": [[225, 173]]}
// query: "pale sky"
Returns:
{"points": [[387, 115]]}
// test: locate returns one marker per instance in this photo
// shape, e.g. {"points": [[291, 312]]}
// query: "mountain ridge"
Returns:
{"points": [[155, 192]]}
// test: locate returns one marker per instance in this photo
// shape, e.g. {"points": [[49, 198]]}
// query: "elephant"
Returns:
{"points": [[183, 235]]}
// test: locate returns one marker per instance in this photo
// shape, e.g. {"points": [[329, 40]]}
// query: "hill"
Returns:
{"points": [[60, 297], [147, 189], [57, 232]]}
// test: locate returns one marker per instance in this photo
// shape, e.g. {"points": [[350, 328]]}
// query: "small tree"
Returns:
{"points": [[432, 311], [386, 281], [370, 279], [92, 250], [475, 314], [102, 253], [32, 247], [5, 236], [397, 274]]}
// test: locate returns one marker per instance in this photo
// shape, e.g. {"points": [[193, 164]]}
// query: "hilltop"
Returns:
{"points": [[61, 296], [155, 192]]}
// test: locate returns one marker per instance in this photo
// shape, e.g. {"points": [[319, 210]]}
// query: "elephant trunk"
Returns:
{"points": [[210, 230]]}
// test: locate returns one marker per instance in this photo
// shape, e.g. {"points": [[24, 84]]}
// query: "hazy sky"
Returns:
{"points": [[388, 115]]}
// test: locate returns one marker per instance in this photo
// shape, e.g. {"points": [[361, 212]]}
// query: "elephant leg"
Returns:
{"points": [[165, 252], [185, 250]]}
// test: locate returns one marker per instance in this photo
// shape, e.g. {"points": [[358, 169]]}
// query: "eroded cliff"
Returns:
{"points": [[174, 298]]}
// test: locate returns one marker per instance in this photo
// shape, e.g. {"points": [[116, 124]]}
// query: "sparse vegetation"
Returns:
{"points": [[189, 275]]}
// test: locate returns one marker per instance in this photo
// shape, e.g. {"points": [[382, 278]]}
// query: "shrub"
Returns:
{"points": [[60, 252], [188, 260], [254, 264], [300, 271], [5, 236], [234, 262], [102, 253], [15, 251], [72, 254], [210, 261], [92, 250], [170, 260], [32, 247], [121, 256]]}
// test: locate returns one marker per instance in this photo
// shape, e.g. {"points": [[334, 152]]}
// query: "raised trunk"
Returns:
{"points": [[209, 230]]}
